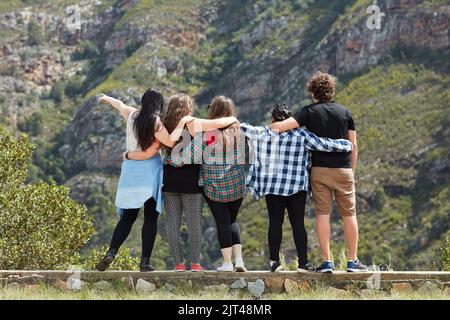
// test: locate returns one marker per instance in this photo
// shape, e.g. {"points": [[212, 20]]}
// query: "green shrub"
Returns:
{"points": [[32, 124], [41, 227], [57, 91], [123, 260], [74, 86], [35, 33], [86, 50], [446, 254]]}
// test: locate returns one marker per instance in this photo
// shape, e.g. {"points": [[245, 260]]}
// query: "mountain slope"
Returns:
{"points": [[394, 80]]}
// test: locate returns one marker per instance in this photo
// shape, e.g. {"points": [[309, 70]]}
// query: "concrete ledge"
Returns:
{"points": [[224, 277], [255, 281]]}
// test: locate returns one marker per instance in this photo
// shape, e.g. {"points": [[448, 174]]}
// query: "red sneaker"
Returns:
{"points": [[195, 267], [180, 267]]}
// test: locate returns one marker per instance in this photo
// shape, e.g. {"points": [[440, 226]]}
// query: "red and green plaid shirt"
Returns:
{"points": [[223, 181]]}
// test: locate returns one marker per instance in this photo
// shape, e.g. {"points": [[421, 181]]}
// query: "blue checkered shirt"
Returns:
{"points": [[280, 163]]}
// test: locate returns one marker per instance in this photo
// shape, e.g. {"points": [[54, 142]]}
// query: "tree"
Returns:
{"points": [[35, 33], [41, 227], [57, 91]]}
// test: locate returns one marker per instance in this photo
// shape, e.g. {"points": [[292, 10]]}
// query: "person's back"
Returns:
{"points": [[328, 119], [332, 174]]}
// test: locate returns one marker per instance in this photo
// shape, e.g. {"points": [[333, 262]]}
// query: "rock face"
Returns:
{"points": [[359, 47], [29, 70], [96, 138]]}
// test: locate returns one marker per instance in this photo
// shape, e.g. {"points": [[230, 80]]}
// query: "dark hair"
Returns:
{"points": [[145, 123], [281, 112], [322, 86]]}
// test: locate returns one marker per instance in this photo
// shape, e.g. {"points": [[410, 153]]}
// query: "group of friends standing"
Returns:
{"points": [[206, 160]]}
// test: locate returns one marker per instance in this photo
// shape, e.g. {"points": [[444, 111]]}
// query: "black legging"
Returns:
{"points": [[149, 229], [295, 205], [225, 215]]}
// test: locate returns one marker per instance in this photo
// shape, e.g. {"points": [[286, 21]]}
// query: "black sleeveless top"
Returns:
{"points": [[182, 179]]}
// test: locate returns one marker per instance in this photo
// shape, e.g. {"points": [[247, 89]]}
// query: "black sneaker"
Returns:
{"points": [[356, 266], [325, 267], [106, 261], [306, 267], [145, 265], [276, 266]]}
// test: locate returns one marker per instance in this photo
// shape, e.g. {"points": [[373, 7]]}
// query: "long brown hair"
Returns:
{"points": [[222, 107], [178, 106]]}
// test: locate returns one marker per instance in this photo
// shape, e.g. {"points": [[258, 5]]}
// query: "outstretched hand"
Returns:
{"points": [[103, 99]]}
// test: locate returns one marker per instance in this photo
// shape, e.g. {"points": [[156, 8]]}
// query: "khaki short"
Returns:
{"points": [[338, 181]]}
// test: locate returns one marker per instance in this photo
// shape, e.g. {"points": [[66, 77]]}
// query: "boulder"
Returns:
{"points": [[167, 287], [429, 288], [256, 288], [61, 285], [290, 286], [143, 286], [303, 285], [275, 284], [402, 287], [239, 284]]}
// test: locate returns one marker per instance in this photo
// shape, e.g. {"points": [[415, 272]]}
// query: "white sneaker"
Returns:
{"points": [[226, 267], [240, 266]]}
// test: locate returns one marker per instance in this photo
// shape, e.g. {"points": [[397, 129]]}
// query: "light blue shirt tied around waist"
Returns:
{"points": [[138, 182]]}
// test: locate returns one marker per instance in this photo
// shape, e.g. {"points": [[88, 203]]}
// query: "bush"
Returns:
{"points": [[32, 124], [123, 260], [35, 33], [86, 50], [41, 227], [57, 92], [74, 86], [446, 254]]}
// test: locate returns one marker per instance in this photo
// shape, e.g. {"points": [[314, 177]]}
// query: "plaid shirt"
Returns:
{"points": [[183, 153], [223, 181], [281, 162]]}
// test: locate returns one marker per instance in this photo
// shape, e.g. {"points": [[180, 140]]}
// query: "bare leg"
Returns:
{"points": [[351, 236], [227, 253], [323, 230]]}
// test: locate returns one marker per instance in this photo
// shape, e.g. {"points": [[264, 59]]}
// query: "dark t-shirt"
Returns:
{"points": [[327, 120]]}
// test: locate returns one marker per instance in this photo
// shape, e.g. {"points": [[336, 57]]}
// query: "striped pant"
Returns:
{"points": [[191, 205]]}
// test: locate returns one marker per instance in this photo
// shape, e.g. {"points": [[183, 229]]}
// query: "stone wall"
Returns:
{"points": [[257, 283]]}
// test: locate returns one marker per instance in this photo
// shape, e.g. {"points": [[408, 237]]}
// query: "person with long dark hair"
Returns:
{"points": [[140, 182], [182, 194]]}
